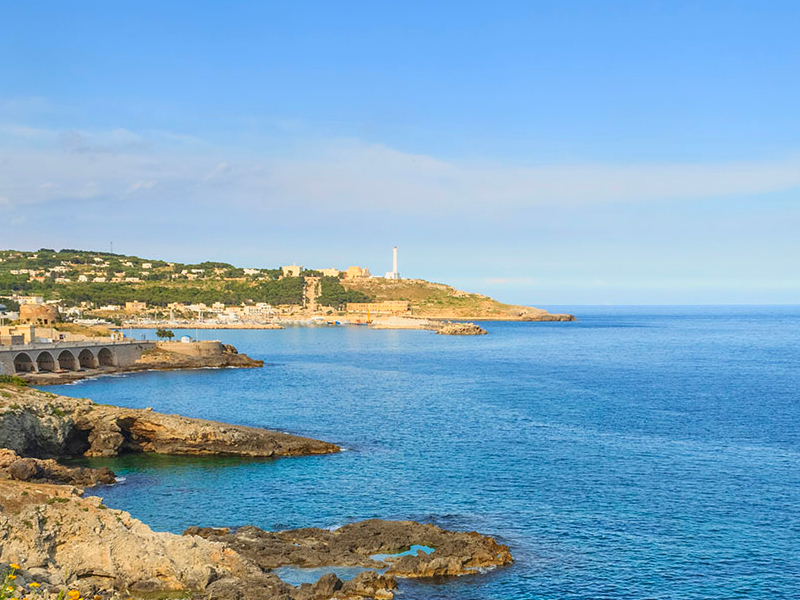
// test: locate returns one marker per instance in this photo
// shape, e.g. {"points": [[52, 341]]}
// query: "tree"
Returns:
{"points": [[164, 334]]}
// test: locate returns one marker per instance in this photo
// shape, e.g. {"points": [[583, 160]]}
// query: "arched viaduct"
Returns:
{"points": [[70, 356]]}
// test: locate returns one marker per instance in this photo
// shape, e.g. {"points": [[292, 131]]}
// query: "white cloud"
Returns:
{"points": [[141, 185], [348, 176]]}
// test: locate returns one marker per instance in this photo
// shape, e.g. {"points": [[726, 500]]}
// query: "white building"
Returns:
{"points": [[393, 274]]}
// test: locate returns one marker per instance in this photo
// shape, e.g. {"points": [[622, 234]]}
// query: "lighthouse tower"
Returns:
{"points": [[393, 274]]}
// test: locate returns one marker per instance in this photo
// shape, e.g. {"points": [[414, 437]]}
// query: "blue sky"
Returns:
{"points": [[541, 152]]}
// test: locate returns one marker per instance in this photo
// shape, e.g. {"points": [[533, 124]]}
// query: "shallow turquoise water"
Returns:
{"points": [[637, 453]]}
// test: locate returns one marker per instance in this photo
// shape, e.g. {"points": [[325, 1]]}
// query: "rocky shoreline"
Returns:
{"points": [[61, 539]]}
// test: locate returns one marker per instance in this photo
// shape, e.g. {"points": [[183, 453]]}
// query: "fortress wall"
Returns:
{"points": [[197, 349]]}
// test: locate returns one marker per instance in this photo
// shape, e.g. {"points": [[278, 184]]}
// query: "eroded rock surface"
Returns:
{"points": [[59, 538], [455, 553], [163, 359], [44, 425], [14, 467], [461, 329]]}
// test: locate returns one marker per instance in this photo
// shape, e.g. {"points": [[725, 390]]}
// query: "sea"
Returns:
{"points": [[640, 452]]}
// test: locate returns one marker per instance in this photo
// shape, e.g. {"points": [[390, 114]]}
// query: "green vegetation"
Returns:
{"points": [[13, 380], [335, 295], [56, 412], [164, 334], [76, 276]]}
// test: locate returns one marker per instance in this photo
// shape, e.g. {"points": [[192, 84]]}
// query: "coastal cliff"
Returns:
{"points": [[41, 424]]}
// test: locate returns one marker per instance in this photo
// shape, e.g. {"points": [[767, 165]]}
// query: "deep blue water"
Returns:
{"points": [[642, 452]]}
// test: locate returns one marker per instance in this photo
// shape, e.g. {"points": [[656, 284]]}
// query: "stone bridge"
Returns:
{"points": [[70, 356]]}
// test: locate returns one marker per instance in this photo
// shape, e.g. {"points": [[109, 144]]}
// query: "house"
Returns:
{"points": [[292, 270], [356, 272]]}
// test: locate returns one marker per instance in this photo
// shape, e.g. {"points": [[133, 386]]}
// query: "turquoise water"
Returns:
{"points": [[637, 453], [299, 575]]}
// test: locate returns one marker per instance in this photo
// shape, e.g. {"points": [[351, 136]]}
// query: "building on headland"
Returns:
{"points": [[17, 334], [330, 272], [292, 270], [135, 306], [28, 299], [393, 274], [356, 272], [42, 314], [392, 307]]}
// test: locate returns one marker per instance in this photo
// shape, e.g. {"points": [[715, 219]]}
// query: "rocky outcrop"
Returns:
{"points": [[59, 538], [44, 425], [362, 543], [545, 317], [157, 359], [38, 470], [461, 329], [161, 359]]}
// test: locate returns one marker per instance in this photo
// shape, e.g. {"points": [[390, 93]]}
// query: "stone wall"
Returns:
{"points": [[198, 349]]}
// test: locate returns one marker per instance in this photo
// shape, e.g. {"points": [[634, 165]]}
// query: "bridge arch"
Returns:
{"points": [[87, 360], [106, 358], [23, 363], [45, 361], [67, 360]]}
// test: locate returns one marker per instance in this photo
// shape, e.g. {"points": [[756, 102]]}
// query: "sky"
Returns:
{"points": [[545, 153]]}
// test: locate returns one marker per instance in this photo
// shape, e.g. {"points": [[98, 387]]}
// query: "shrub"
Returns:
{"points": [[13, 380]]}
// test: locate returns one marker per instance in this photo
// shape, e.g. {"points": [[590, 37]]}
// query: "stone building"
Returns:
{"points": [[356, 272], [392, 307], [292, 270], [39, 314]]}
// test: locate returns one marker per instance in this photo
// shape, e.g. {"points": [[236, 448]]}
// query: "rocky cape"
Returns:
{"points": [[61, 538], [156, 359], [35, 423]]}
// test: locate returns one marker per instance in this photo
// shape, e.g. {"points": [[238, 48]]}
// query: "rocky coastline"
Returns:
{"points": [[58, 538]]}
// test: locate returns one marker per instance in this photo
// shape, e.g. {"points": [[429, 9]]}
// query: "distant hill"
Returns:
{"points": [[75, 276], [437, 300]]}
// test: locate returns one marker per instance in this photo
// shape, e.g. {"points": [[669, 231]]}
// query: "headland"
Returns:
{"points": [[90, 288]]}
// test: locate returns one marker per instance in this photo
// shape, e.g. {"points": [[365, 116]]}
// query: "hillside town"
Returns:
{"points": [[72, 285]]}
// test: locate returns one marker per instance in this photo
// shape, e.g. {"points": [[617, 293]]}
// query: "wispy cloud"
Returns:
{"points": [[349, 175]]}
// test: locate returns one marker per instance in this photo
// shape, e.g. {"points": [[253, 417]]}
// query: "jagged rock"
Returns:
{"points": [[455, 553], [369, 584], [40, 424], [326, 586], [52, 529], [461, 329], [49, 471]]}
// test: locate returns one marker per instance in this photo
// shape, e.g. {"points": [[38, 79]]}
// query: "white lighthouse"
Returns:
{"points": [[393, 274]]}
